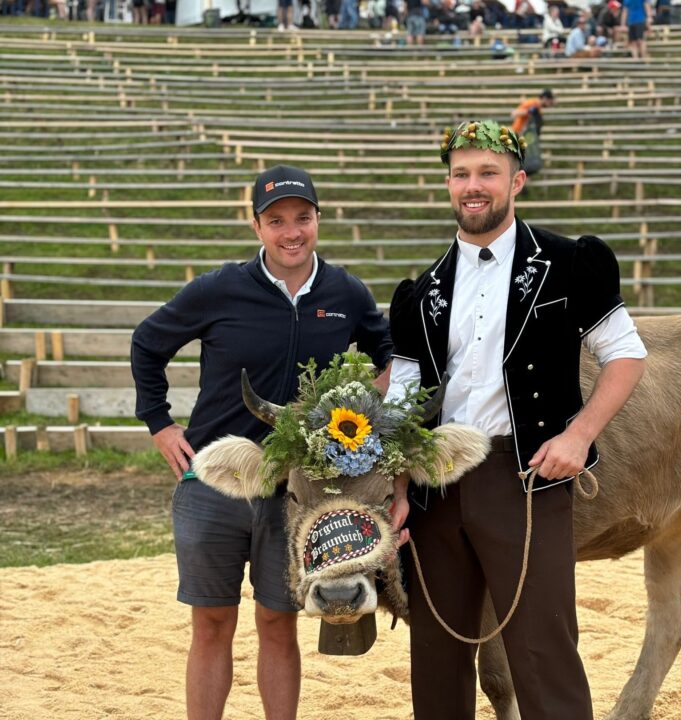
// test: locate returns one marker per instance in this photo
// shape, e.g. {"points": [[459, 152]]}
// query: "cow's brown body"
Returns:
{"points": [[639, 505]]}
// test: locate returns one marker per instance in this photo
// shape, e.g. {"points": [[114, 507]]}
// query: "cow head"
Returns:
{"points": [[340, 447]]}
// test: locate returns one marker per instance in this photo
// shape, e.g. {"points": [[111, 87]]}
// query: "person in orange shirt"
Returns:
{"points": [[522, 114]]}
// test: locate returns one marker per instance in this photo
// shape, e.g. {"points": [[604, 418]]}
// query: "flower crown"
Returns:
{"points": [[484, 135], [340, 426]]}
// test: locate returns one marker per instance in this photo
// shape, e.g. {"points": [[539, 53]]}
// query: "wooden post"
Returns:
{"points": [[649, 246], [113, 237], [26, 370], [42, 440], [92, 190], [72, 408], [151, 257], [639, 195], [40, 345], [188, 273], [80, 440], [356, 236], [6, 283], [57, 338], [2, 312], [372, 100], [10, 442]]}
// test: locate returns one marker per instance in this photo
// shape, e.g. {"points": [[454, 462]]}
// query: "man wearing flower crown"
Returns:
{"points": [[269, 316], [504, 313]]}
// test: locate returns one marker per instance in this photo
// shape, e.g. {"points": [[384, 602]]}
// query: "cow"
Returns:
{"points": [[639, 505], [354, 520]]}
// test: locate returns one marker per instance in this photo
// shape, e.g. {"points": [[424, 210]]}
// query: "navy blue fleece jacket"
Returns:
{"points": [[244, 321]]}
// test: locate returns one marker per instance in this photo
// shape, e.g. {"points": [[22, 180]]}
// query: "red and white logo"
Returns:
{"points": [[321, 313], [269, 186]]}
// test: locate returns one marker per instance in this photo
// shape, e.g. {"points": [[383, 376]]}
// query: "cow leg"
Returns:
{"points": [[493, 670], [663, 628]]}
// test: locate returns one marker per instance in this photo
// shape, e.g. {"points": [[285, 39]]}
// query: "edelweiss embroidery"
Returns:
{"points": [[436, 304], [525, 280]]}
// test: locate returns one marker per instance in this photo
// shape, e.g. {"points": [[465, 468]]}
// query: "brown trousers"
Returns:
{"points": [[471, 539]]}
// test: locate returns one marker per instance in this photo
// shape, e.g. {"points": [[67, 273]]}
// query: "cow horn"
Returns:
{"points": [[262, 409], [431, 407]]}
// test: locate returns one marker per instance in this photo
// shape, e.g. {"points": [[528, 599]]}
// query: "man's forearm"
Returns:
{"points": [[614, 385]]}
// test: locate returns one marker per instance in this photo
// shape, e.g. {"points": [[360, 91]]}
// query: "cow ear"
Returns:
{"points": [[232, 466], [460, 449]]}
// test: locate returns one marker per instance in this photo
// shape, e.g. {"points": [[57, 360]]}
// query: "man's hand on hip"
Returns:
{"points": [[174, 447]]}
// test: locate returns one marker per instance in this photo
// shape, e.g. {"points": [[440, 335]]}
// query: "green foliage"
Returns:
{"points": [[303, 434]]}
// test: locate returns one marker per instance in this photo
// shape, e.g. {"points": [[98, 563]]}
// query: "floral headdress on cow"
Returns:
{"points": [[483, 135], [340, 425]]}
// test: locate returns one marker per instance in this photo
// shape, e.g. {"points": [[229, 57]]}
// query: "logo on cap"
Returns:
{"points": [[269, 186]]}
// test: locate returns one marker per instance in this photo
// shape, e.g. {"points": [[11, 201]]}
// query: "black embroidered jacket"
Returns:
{"points": [[560, 290]]}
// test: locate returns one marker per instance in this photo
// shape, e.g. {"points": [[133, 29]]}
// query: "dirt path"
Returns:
{"points": [[107, 639]]}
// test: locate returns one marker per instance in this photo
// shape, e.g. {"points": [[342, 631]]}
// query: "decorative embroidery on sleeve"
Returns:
{"points": [[436, 304], [525, 281]]}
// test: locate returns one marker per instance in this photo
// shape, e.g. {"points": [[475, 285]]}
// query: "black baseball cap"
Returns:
{"points": [[282, 181]]}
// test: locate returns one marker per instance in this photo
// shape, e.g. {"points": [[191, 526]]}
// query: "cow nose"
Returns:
{"points": [[337, 598]]}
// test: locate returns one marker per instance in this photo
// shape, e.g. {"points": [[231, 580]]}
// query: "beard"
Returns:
{"points": [[482, 223]]}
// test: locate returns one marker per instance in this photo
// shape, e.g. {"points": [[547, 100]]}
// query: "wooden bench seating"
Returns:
{"points": [[142, 144]]}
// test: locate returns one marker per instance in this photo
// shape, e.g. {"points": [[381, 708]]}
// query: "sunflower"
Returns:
{"points": [[348, 427]]}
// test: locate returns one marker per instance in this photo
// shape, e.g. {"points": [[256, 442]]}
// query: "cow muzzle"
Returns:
{"points": [[341, 600]]}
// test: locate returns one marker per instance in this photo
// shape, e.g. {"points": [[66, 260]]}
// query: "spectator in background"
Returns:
{"points": [[525, 14], [391, 21], [476, 27], [349, 15], [637, 16], [140, 12], [284, 14], [663, 12], [553, 30], [447, 17], [580, 42], [416, 21], [529, 108], [332, 10], [608, 20], [376, 13]]}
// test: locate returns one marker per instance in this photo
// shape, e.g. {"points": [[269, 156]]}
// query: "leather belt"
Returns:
{"points": [[502, 443]]}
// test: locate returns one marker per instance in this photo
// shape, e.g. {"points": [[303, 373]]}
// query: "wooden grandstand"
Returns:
{"points": [[127, 157]]}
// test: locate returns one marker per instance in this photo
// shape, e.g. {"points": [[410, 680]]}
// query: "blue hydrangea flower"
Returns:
{"points": [[359, 462]]}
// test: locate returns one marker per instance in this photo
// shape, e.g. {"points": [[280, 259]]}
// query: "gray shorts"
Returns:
{"points": [[214, 538], [416, 25]]}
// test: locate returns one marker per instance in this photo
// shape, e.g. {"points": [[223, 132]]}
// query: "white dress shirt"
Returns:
{"points": [[304, 290], [475, 393]]}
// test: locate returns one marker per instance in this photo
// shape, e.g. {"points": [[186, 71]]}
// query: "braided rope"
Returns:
{"points": [[587, 494]]}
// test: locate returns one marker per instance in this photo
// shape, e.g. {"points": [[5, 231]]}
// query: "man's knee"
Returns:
{"points": [[214, 624], [275, 626]]}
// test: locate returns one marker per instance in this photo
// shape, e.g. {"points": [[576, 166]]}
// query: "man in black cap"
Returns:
{"points": [[504, 313], [268, 316]]}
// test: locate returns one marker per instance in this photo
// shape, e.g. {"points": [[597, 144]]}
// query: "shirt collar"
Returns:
{"points": [[501, 247], [305, 288]]}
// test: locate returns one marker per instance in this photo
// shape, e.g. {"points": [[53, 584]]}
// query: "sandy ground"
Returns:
{"points": [[108, 640]]}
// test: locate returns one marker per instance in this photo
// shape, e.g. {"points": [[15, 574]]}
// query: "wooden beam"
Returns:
{"points": [[10, 442]]}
